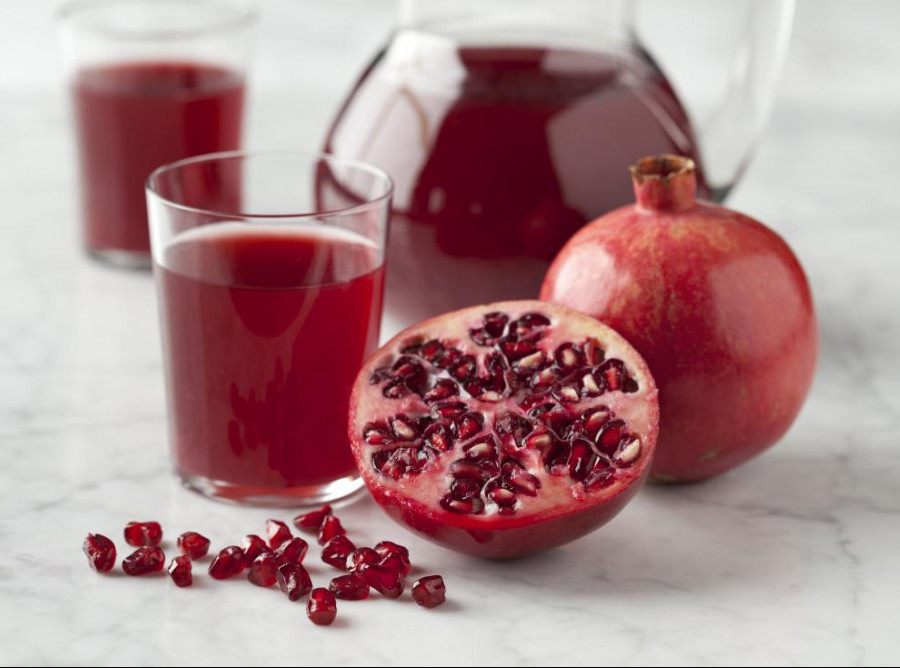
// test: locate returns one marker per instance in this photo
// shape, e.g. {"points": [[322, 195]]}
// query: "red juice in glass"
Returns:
{"points": [[133, 117], [264, 330], [499, 154]]}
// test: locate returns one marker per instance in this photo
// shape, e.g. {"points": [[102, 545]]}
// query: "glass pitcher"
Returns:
{"points": [[509, 124]]}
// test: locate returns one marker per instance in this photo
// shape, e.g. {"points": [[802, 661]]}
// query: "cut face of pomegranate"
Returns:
{"points": [[479, 426]]}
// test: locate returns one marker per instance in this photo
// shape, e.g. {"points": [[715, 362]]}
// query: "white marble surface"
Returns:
{"points": [[790, 560]]}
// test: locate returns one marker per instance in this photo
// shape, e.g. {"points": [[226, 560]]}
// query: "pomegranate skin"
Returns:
{"points": [[715, 302], [502, 537]]}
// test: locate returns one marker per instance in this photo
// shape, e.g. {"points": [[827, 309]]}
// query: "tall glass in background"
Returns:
{"points": [[270, 273], [151, 82]]}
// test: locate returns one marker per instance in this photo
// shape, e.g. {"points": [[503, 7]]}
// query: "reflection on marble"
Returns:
{"points": [[789, 560]]}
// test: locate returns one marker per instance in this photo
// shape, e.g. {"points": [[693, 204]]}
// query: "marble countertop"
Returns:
{"points": [[791, 560]]}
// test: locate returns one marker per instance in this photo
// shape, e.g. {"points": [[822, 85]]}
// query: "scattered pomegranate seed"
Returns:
{"points": [[262, 570], [293, 550], [386, 548], [331, 528], [385, 581], [253, 546], [229, 562], [336, 551], [193, 544], [429, 591], [100, 551], [360, 558], [312, 522], [293, 580], [143, 533], [321, 608], [277, 533], [144, 560], [180, 571], [396, 562], [351, 587]]}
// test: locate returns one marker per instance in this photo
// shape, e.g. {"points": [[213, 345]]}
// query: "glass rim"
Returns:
{"points": [[234, 19], [384, 196]]}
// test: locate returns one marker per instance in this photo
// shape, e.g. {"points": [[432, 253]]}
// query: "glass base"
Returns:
{"points": [[120, 259], [273, 497]]}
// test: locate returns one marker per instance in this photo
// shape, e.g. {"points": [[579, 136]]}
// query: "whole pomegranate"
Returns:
{"points": [[504, 429], [716, 303]]}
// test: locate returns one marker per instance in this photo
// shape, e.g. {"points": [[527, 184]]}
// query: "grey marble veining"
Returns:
{"points": [[789, 560]]}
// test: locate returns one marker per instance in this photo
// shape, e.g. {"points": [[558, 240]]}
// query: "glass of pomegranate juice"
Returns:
{"points": [[270, 273], [151, 83]]}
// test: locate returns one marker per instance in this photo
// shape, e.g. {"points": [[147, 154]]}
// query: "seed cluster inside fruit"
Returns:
{"points": [[517, 399]]}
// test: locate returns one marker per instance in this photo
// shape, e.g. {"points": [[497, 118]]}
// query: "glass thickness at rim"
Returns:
{"points": [[233, 16], [386, 183]]}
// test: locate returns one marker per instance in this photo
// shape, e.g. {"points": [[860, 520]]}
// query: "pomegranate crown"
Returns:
{"points": [[664, 182]]}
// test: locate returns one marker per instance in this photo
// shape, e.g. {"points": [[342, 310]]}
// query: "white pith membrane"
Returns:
{"points": [[584, 439]]}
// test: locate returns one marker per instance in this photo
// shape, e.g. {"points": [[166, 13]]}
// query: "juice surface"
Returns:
{"points": [[264, 331]]}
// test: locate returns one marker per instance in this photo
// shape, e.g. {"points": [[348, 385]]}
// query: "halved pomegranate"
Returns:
{"points": [[504, 429]]}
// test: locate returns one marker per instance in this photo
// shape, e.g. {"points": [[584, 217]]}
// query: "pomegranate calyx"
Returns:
{"points": [[664, 183]]}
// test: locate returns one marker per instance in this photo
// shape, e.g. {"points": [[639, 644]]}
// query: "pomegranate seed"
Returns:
{"points": [[360, 558], [352, 587], [581, 460], [600, 477], [331, 528], [386, 548], [387, 582], [253, 546], [277, 532], [396, 562], [429, 591], [311, 522], [262, 570], [609, 436], [143, 533], [100, 551], [524, 482], [439, 437], [443, 389], [629, 449], [402, 429], [229, 562], [180, 571], [321, 608], [293, 550], [193, 544], [336, 551], [144, 560], [293, 580]]}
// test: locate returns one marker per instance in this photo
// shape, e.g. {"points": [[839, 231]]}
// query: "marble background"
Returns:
{"points": [[791, 560]]}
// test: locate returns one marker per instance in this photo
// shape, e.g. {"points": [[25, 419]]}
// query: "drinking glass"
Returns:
{"points": [[151, 83], [270, 271]]}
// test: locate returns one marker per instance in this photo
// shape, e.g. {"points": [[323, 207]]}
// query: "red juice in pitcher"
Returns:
{"points": [[265, 329], [133, 117], [499, 154]]}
